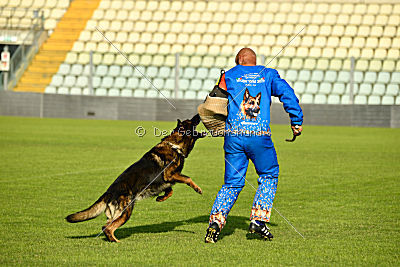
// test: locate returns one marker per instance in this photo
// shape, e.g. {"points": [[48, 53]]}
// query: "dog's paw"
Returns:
{"points": [[198, 190], [160, 198]]}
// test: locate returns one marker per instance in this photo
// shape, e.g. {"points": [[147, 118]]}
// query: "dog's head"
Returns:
{"points": [[251, 104], [185, 135]]}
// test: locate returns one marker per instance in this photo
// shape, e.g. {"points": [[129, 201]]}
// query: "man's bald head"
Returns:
{"points": [[246, 57]]}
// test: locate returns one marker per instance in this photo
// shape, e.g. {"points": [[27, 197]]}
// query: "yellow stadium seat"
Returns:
{"points": [[310, 7], [243, 17], [335, 64], [322, 64], [90, 46], [127, 47], [133, 37], [380, 53], [360, 8], [71, 58], [152, 49], [127, 5], [282, 40], [361, 65], [385, 42], [200, 28], [35, 4], [328, 52], [340, 52], [110, 14], [389, 31], [368, 20], [347, 9], [83, 58], [226, 49], [255, 18], [244, 40], [78, 47], [351, 31], [145, 60], [232, 39], [355, 19], [325, 30], [363, 31], [164, 49], [381, 20], [256, 40], [140, 5], [122, 15], [104, 25], [207, 39], [393, 53], [50, 24], [323, 8], [372, 42], [354, 52], [164, 27], [367, 53], [343, 19], [346, 42], [134, 15], [312, 30], [206, 17], [275, 29], [273, 7], [308, 41], [296, 64], [152, 5], [376, 31], [176, 27], [220, 39], [293, 18], [375, 65], [213, 28], [116, 25], [310, 63], [139, 26], [330, 19], [305, 18], [338, 30], [232, 18], [394, 19], [314, 52], [170, 16], [103, 47], [28, 3], [373, 9], [146, 15], [284, 7], [389, 65], [358, 42]]}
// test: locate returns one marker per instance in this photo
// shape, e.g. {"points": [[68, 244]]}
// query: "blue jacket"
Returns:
{"points": [[250, 89]]}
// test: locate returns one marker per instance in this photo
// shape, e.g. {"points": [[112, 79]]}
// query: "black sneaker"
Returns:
{"points": [[261, 229], [212, 233]]}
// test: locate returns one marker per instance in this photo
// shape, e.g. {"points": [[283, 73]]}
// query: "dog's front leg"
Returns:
{"points": [[181, 178], [167, 194]]}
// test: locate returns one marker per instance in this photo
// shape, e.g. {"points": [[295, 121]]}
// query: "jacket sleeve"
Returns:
{"points": [[285, 93]]}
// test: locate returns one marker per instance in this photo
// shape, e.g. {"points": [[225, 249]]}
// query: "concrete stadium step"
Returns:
{"points": [[53, 52]]}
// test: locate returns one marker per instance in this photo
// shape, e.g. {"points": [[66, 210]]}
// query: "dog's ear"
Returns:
{"points": [[195, 119], [246, 94], [179, 122], [258, 97]]}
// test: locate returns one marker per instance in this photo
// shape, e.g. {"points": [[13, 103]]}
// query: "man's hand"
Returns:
{"points": [[297, 129]]}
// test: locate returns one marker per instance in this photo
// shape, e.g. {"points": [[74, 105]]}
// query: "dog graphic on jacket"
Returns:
{"points": [[250, 106]]}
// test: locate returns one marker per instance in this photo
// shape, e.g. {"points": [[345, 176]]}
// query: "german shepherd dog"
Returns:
{"points": [[250, 105], [157, 171]]}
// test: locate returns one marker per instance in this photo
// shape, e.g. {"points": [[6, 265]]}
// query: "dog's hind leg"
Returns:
{"points": [[167, 194], [113, 225]]}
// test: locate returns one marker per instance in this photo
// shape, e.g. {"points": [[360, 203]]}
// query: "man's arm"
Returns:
{"points": [[282, 89]]}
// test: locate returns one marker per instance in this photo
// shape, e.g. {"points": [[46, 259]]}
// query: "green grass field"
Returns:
{"points": [[339, 186]]}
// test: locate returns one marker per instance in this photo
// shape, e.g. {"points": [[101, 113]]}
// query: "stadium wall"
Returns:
{"points": [[126, 108]]}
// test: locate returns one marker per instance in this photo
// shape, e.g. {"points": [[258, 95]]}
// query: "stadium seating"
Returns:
{"points": [[207, 34]]}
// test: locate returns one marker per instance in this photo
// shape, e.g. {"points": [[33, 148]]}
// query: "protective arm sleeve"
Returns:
{"points": [[285, 93]]}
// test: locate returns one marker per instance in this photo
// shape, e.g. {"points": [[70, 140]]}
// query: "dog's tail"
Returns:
{"points": [[90, 213]]}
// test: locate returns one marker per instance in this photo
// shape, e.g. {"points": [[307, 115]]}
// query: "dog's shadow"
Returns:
{"points": [[234, 222]]}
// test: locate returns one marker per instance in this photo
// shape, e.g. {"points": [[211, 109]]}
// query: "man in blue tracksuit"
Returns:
{"points": [[248, 136]]}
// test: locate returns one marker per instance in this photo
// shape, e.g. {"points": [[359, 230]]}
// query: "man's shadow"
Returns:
{"points": [[233, 223]]}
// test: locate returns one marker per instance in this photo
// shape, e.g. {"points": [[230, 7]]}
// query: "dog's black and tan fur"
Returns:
{"points": [[139, 181]]}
